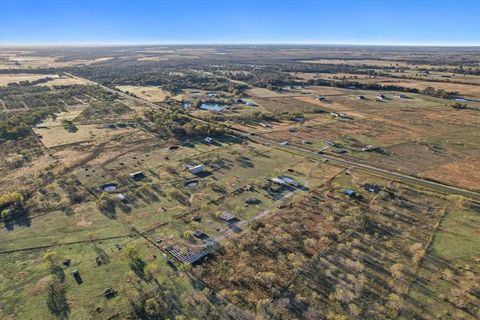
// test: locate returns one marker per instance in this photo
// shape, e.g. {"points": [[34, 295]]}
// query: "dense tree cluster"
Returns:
{"points": [[20, 97], [17, 125]]}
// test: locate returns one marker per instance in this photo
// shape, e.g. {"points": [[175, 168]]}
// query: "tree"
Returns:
{"points": [[151, 270], [12, 198], [131, 251], [152, 307]]}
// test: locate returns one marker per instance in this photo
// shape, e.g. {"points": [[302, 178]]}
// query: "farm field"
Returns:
{"points": [[239, 182]]}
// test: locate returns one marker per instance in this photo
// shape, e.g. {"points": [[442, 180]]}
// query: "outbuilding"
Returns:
{"points": [[200, 234], [209, 140], [195, 169], [228, 217], [136, 175], [289, 180]]}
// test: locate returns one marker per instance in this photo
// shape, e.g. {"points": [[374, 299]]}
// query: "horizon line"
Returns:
{"points": [[118, 44]]}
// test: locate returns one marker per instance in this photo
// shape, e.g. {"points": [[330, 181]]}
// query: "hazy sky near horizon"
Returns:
{"points": [[417, 22]]}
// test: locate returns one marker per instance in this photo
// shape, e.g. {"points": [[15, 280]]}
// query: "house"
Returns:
{"points": [[195, 169], [278, 181], [212, 95], [284, 143], [250, 104], [288, 180], [136, 175], [349, 192], [380, 97], [401, 96], [360, 97], [228, 217], [200, 234], [322, 99], [209, 140], [263, 124]]}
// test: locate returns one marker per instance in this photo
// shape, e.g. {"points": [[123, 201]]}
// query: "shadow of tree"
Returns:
{"points": [[57, 301], [57, 271], [18, 219], [138, 267]]}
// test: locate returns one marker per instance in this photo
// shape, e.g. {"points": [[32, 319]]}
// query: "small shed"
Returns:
{"points": [[76, 275], [209, 140], [200, 234], [373, 188], [288, 180], [195, 169], [278, 181], [228, 217], [136, 175], [350, 192]]}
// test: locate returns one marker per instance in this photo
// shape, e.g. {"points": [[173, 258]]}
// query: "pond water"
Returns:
{"points": [[212, 106], [109, 187], [191, 184], [461, 100]]}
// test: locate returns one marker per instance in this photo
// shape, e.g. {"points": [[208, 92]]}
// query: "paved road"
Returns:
{"points": [[379, 171], [335, 160]]}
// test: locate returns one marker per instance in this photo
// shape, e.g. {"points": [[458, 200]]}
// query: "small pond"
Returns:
{"points": [[109, 187], [461, 100], [191, 184], [212, 106]]}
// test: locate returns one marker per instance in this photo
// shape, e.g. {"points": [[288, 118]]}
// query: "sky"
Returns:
{"points": [[378, 22]]}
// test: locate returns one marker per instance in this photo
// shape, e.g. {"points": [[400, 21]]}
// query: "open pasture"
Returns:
{"points": [[153, 94]]}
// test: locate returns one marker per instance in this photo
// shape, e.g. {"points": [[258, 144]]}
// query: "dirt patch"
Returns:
{"points": [[84, 222], [40, 286]]}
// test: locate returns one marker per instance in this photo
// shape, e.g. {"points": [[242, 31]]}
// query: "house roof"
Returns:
{"points": [[227, 216]]}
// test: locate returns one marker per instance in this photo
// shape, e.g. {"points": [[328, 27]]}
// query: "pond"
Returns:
{"points": [[191, 184], [461, 100], [212, 106], [109, 187]]}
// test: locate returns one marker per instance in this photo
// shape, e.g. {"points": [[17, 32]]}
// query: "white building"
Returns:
{"points": [[195, 169]]}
